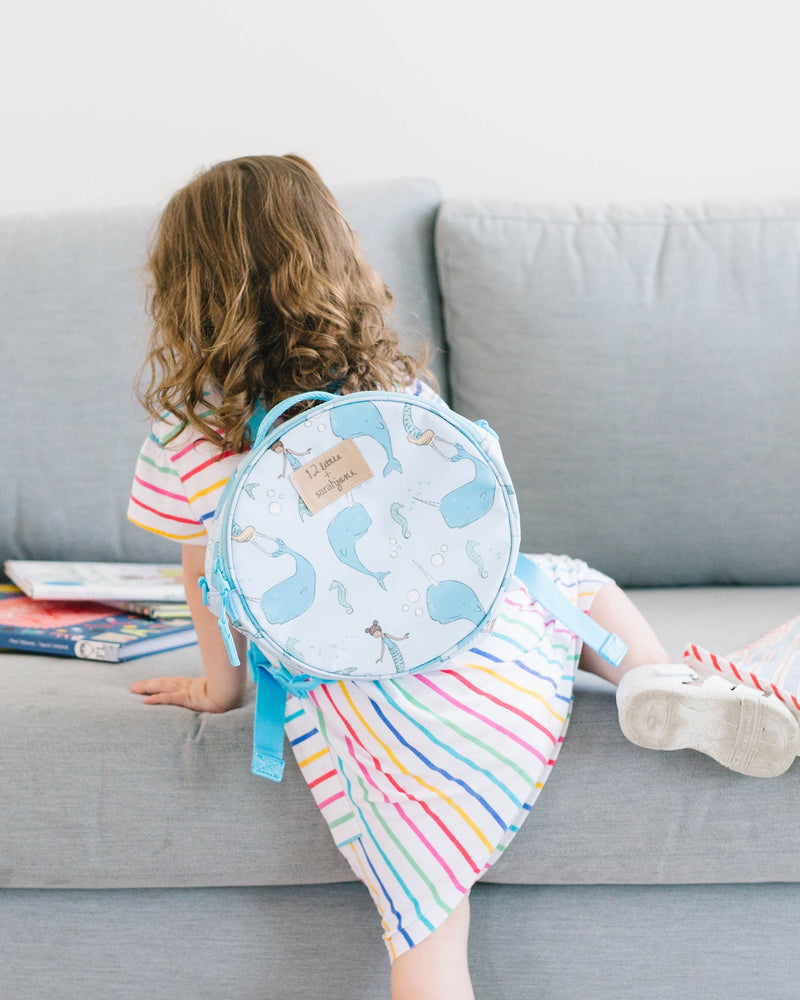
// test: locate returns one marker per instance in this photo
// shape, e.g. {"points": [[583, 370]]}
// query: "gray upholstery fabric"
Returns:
{"points": [[652, 359], [394, 222], [72, 335], [158, 797], [542, 943]]}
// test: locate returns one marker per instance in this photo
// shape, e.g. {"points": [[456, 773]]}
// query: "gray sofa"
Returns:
{"points": [[641, 367]]}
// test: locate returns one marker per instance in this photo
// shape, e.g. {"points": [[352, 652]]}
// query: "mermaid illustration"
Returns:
{"points": [[247, 534], [291, 457], [419, 437], [388, 642]]}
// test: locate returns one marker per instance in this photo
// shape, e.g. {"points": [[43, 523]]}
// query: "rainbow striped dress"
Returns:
{"points": [[423, 779]]}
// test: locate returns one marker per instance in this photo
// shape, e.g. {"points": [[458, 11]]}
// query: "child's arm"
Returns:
{"points": [[222, 686]]}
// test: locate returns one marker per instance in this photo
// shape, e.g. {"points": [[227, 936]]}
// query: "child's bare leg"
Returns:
{"points": [[616, 612], [436, 969]]}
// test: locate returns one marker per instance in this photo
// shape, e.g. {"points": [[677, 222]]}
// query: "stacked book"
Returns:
{"points": [[94, 611]]}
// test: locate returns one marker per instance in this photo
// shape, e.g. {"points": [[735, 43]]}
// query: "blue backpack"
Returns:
{"points": [[374, 534]]}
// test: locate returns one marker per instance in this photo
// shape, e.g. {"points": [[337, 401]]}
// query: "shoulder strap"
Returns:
{"points": [[268, 421], [542, 589], [269, 720], [272, 686]]}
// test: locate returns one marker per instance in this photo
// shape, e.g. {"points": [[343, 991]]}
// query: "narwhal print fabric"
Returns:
{"points": [[372, 534]]}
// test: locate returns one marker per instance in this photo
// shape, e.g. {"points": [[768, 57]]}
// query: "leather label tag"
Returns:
{"points": [[331, 475]]}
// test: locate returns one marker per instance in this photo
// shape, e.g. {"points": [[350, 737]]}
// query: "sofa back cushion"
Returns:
{"points": [[73, 331], [642, 367]]}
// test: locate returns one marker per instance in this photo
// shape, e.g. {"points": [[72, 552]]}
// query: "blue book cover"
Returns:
{"points": [[84, 629]]}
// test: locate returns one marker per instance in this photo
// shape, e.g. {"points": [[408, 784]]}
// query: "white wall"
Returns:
{"points": [[108, 103]]}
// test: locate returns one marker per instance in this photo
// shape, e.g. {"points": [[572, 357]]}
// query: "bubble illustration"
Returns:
{"points": [[274, 508], [437, 559], [413, 596]]}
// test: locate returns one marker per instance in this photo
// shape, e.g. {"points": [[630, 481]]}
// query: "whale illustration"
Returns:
{"points": [[468, 503], [344, 531], [451, 600], [363, 419], [291, 597]]}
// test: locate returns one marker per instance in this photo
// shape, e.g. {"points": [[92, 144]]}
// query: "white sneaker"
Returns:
{"points": [[670, 707]]}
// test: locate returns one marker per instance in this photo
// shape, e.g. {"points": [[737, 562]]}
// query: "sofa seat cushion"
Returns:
{"points": [[105, 792]]}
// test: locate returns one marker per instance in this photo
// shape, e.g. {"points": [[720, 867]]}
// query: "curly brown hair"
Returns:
{"points": [[258, 291]]}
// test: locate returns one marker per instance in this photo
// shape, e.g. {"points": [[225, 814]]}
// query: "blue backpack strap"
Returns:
{"points": [[272, 686], [270, 715], [542, 589]]}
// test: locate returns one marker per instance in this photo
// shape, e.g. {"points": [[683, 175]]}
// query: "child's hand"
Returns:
{"points": [[186, 692], [222, 686]]}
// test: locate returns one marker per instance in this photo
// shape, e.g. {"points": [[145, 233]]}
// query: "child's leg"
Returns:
{"points": [[436, 969], [616, 612]]}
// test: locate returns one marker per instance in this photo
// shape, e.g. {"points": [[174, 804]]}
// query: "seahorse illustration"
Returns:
{"points": [[452, 600], [363, 419], [292, 596], [388, 642], [341, 593], [416, 435], [350, 525], [469, 548], [396, 516]]}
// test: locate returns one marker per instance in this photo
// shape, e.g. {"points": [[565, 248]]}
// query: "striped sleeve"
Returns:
{"points": [[177, 483]]}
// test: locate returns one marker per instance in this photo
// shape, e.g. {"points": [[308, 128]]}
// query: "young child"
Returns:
{"points": [[258, 291]]}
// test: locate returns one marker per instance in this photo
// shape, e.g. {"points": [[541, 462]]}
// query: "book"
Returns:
{"points": [[770, 663], [97, 581], [171, 609], [84, 629]]}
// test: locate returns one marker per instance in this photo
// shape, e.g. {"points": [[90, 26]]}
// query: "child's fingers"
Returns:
{"points": [[186, 692], [167, 698], [164, 691], [154, 685]]}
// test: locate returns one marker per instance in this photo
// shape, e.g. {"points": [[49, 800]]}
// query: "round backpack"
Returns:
{"points": [[372, 534]]}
